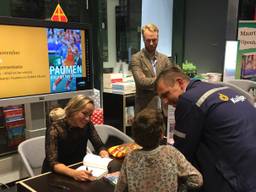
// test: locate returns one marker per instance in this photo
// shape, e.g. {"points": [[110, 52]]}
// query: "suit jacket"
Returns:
{"points": [[144, 77]]}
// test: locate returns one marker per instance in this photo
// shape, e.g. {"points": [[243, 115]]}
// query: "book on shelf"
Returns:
{"points": [[96, 164], [129, 115]]}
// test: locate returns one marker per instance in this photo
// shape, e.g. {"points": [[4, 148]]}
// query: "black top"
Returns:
{"points": [[67, 145]]}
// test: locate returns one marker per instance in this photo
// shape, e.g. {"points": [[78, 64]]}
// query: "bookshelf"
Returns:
{"points": [[117, 107], [12, 128]]}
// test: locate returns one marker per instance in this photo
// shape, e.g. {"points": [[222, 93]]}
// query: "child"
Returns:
{"points": [[154, 167]]}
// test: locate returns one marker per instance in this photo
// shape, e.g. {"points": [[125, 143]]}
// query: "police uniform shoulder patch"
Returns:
{"points": [[223, 97]]}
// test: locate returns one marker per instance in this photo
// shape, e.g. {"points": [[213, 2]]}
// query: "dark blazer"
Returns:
{"points": [[144, 77]]}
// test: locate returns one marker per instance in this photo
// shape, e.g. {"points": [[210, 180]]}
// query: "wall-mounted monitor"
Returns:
{"points": [[42, 60]]}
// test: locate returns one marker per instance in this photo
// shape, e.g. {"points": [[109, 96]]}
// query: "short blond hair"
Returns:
{"points": [[77, 103], [151, 27]]}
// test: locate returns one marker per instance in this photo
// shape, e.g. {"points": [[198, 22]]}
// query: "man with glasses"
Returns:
{"points": [[146, 65], [215, 130]]}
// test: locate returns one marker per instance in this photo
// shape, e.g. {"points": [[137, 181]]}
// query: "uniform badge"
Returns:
{"points": [[223, 97]]}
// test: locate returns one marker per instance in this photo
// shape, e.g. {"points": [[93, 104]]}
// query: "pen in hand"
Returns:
{"points": [[88, 171]]}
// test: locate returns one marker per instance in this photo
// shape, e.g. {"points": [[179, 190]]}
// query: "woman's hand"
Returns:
{"points": [[79, 175], [83, 175], [104, 153]]}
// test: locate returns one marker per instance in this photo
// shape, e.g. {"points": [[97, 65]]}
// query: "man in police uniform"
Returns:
{"points": [[215, 130]]}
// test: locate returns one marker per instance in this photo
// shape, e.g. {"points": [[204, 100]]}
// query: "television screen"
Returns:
{"points": [[46, 58]]}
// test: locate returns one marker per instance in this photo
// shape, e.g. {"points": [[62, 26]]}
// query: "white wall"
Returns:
{"points": [[111, 22], [229, 71], [159, 12]]}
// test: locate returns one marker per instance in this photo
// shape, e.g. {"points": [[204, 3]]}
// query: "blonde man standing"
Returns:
{"points": [[146, 65]]}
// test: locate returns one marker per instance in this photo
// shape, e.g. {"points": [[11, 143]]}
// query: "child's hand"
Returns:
{"points": [[104, 153]]}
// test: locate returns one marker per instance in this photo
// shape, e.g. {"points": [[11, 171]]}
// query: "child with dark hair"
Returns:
{"points": [[155, 167]]}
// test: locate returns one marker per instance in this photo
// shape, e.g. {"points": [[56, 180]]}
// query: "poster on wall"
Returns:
{"points": [[246, 55]]}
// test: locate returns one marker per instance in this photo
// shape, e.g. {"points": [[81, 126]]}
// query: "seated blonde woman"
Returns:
{"points": [[67, 136]]}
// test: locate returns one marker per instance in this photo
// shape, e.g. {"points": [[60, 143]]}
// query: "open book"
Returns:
{"points": [[96, 164]]}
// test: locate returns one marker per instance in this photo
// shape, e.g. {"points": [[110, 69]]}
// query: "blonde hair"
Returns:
{"points": [[57, 114], [151, 27], [77, 103]]}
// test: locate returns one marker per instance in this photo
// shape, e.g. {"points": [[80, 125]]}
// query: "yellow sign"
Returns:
{"points": [[24, 68]]}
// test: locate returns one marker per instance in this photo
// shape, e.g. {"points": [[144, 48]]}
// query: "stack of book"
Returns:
{"points": [[1, 118], [110, 78], [14, 124], [124, 86]]}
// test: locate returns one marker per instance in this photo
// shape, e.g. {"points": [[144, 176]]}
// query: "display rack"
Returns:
{"points": [[115, 106], [12, 128]]}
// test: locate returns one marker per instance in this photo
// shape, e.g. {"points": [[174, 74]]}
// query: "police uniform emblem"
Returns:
{"points": [[223, 97]]}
